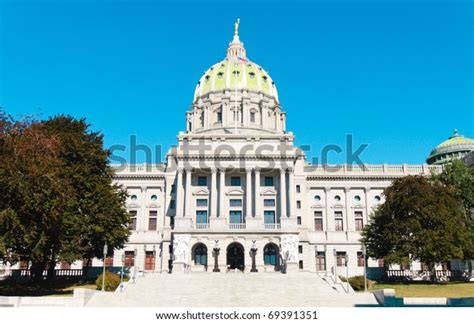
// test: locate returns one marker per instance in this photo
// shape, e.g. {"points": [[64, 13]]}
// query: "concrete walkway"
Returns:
{"points": [[232, 289]]}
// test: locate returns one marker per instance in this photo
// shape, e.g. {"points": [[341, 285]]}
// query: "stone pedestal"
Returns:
{"points": [[182, 223], [179, 267], [292, 267]]}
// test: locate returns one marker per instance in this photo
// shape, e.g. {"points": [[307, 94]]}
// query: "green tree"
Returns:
{"points": [[420, 220], [57, 198], [33, 194], [459, 178]]}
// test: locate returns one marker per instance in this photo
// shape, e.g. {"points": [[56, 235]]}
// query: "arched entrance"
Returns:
{"points": [[235, 256], [200, 254], [271, 255]]}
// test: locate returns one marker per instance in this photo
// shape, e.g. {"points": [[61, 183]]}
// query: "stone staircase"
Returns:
{"points": [[232, 289]]}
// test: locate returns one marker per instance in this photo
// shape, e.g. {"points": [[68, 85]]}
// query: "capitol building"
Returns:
{"points": [[236, 194]]}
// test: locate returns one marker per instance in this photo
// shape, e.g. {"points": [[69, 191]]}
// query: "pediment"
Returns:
{"points": [[235, 191], [201, 191], [268, 192]]}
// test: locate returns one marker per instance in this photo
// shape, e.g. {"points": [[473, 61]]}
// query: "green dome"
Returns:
{"points": [[454, 147], [235, 74]]}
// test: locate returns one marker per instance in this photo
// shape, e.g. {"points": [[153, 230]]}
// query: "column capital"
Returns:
{"points": [[248, 169], [257, 170], [366, 189], [221, 170], [213, 170], [327, 189], [346, 189], [283, 170], [290, 169], [180, 170], [189, 169]]}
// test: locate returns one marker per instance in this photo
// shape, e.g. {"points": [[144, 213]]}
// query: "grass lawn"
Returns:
{"points": [[428, 289], [56, 288]]}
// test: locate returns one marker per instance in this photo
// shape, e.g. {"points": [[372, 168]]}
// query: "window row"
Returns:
{"points": [[357, 198], [152, 220], [235, 181], [134, 197], [338, 221]]}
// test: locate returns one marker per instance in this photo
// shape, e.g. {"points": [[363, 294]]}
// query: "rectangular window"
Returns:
{"points": [[201, 217], [252, 117], [300, 249], [219, 117], [320, 261], [235, 202], [129, 259], [318, 221], [300, 264], [235, 181], [359, 221], [152, 220], [172, 204], [201, 202], [360, 259], [269, 217], [133, 220], [268, 181], [268, 202], [202, 181], [298, 204], [338, 221], [341, 258], [298, 220], [173, 188], [235, 217], [149, 260], [298, 189]]}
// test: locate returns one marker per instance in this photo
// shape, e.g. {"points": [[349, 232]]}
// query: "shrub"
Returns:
{"points": [[357, 282], [112, 281]]}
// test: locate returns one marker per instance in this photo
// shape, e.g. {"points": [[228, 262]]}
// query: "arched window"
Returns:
{"points": [[200, 255], [270, 255]]}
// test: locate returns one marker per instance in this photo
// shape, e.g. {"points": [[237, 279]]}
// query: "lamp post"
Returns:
{"points": [[135, 253], [253, 252], [103, 269], [161, 253], [364, 254], [346, 258], [216, 256], [121, 273]]}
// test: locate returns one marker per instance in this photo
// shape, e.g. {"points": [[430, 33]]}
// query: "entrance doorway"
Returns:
{"points": [[235, 256]]}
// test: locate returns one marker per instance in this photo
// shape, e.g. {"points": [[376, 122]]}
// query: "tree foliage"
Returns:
{"points": [[57, 200], [420, 220]]}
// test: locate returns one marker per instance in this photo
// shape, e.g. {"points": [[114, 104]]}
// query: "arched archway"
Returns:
{"points": [[235, 256], [200, 254], [271, 255]]}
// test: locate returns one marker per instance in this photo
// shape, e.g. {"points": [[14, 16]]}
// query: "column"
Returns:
{"points": [[327, 209], [282, 192], [248, 192], [349, 224], [258, 203], [221, 192], [291, 193], [179, 193], [142, 219], [213, 210], [367, 207], [187, 193]]}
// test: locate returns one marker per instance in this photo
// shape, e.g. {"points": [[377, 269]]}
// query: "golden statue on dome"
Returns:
{"points": [[236, 26]]}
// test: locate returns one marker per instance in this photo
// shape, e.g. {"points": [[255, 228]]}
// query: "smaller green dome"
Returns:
{"points": [[454, 147]]}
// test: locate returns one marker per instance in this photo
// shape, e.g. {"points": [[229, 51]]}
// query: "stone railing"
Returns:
{"points": [[202, 225], [138, 168], [237, 226], [367, 169], [272, 226]]}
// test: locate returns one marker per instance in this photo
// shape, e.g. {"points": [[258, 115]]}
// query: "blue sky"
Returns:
{"points": [[395, 74]]}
